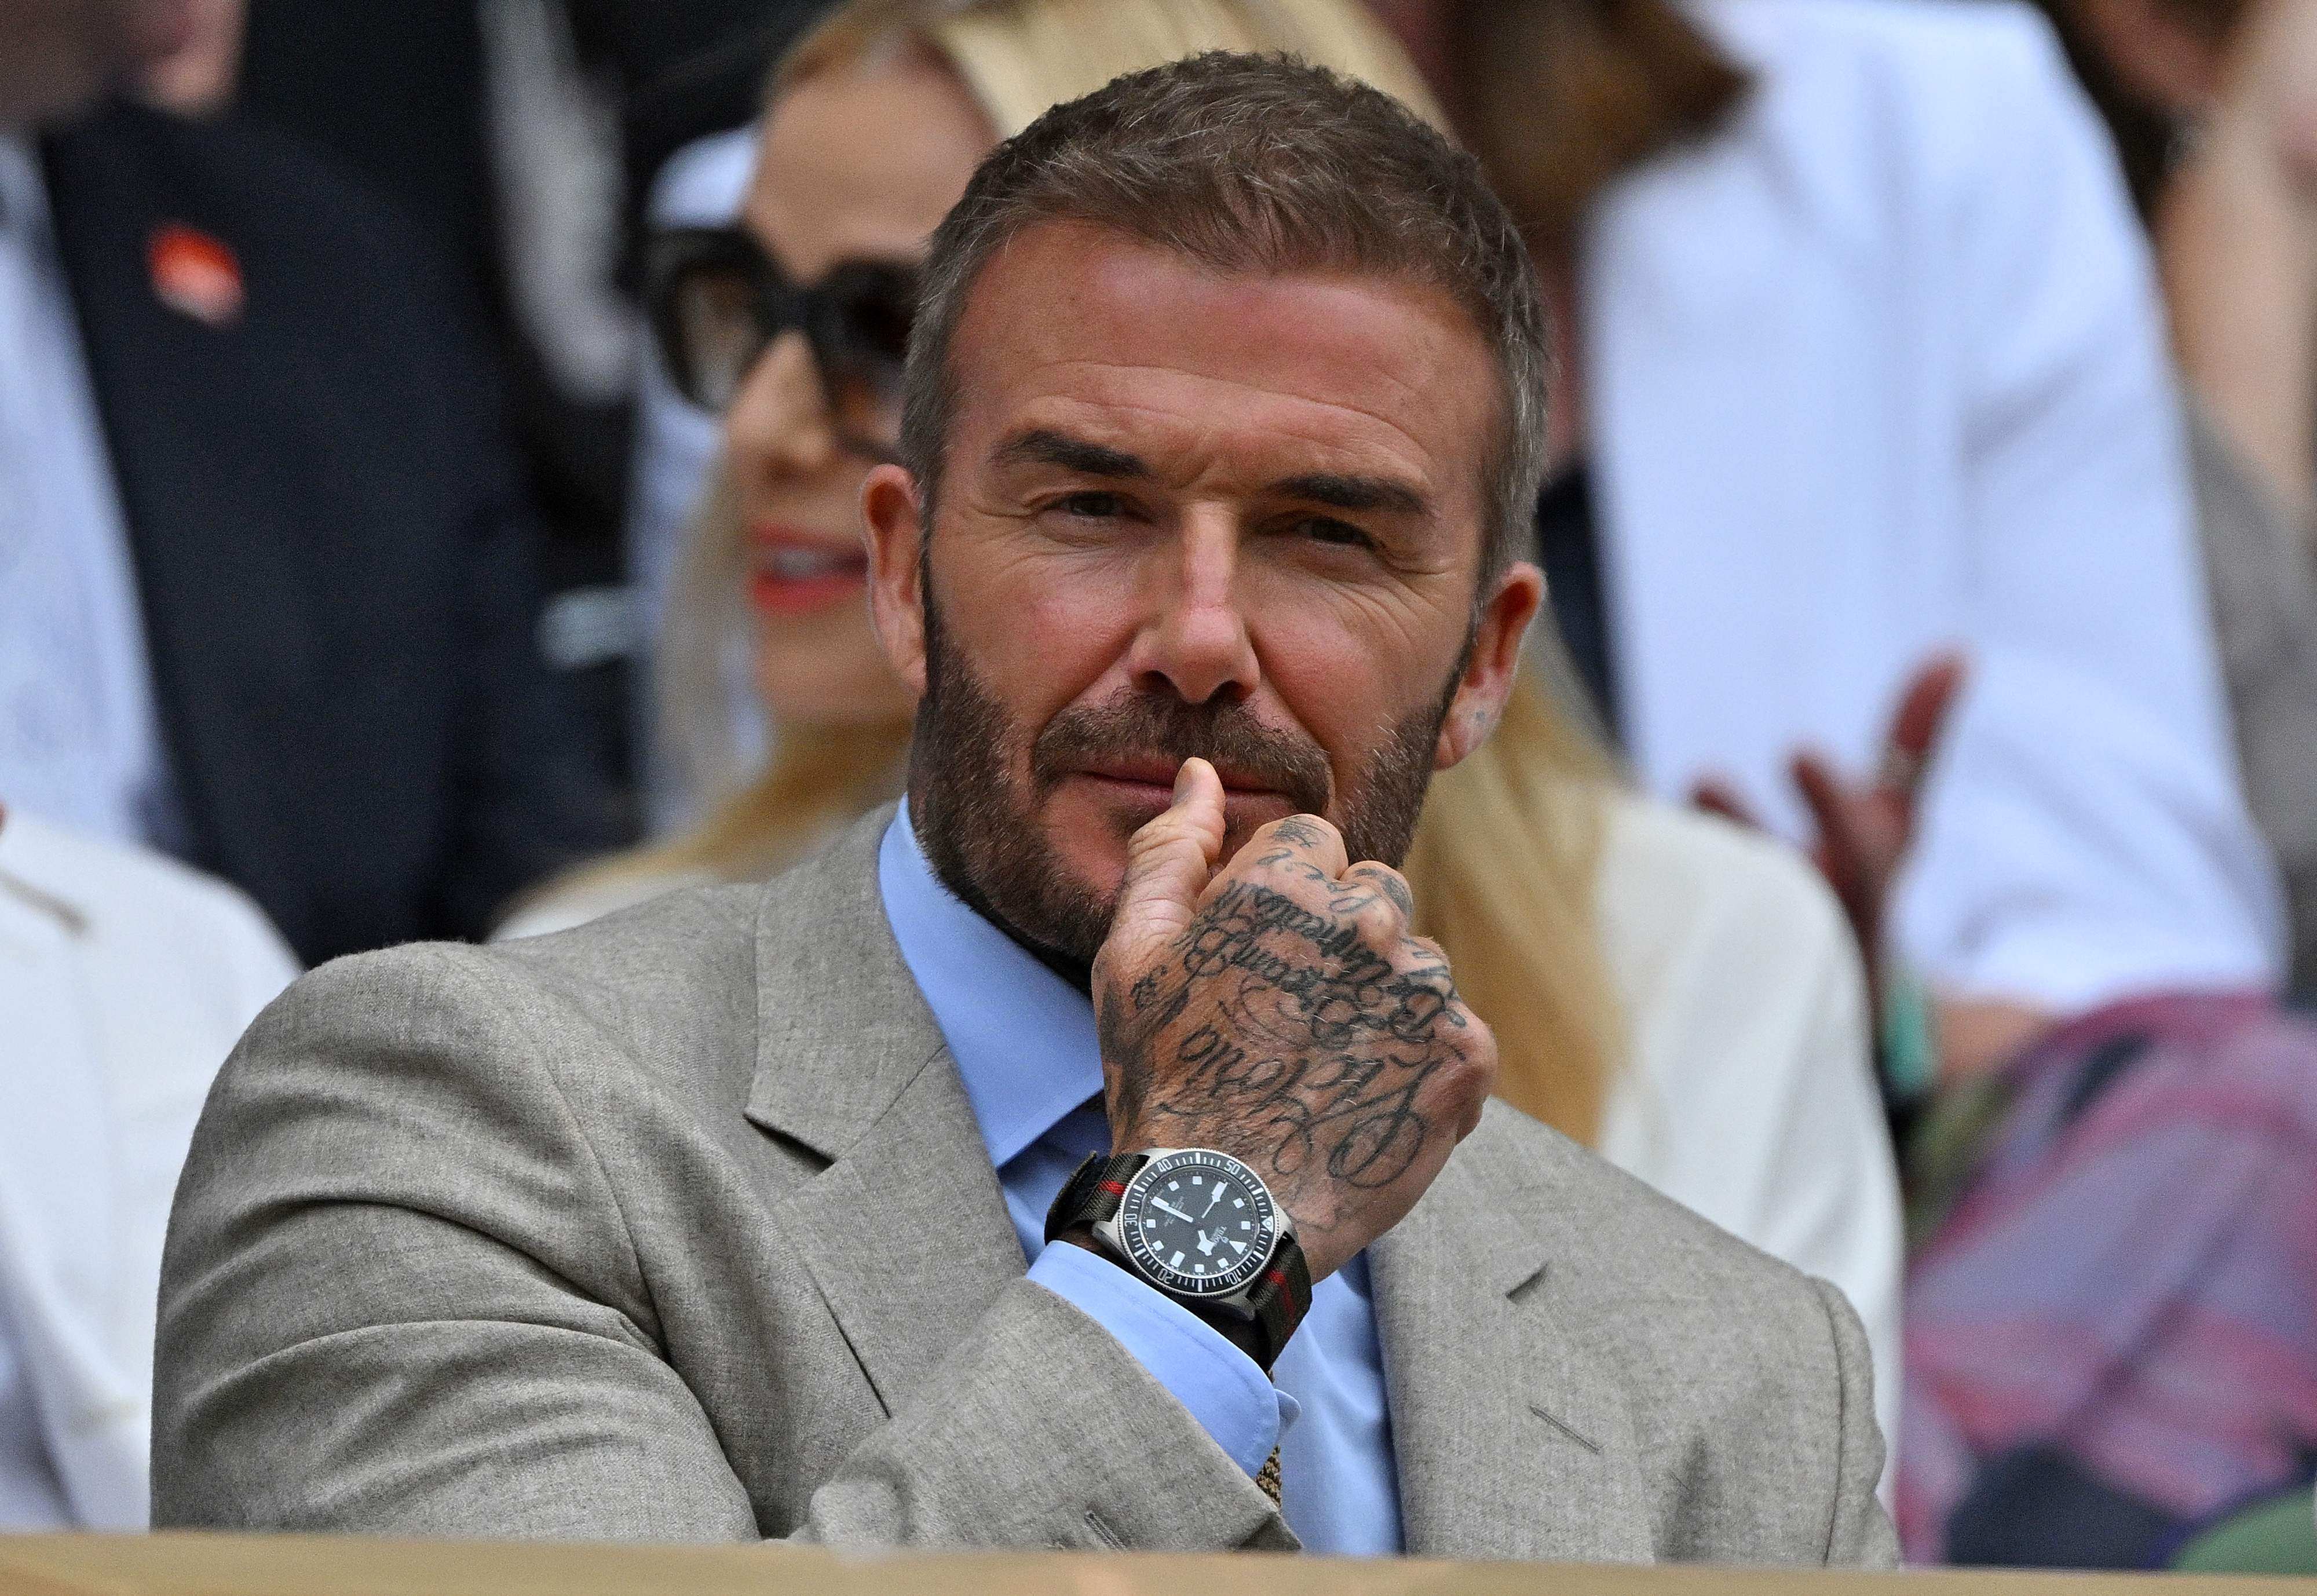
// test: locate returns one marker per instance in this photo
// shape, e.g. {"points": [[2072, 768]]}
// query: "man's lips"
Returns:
{"points": [[1160, 775]]}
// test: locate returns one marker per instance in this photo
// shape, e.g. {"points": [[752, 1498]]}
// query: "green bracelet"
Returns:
{"points": [[1908, 1045]]}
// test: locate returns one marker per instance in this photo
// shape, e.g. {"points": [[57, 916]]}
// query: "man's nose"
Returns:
{"points": [[1196, 640], [779, 424]]}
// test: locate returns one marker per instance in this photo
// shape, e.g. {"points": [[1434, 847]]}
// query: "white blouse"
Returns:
{"points": [[125, 979], [1880, 369], [1749, 1095]]}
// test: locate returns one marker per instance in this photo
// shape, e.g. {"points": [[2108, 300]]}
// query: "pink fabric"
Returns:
{"points": [[2131, 1277]]}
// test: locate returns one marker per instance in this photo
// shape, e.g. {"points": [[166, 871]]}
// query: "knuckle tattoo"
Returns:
{"points": [[1297, 831], [1275, 1013], [1389, 885]]}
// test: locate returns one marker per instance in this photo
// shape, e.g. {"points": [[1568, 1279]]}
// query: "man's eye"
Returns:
{"points": [[1092, 507], [1327, 529]]}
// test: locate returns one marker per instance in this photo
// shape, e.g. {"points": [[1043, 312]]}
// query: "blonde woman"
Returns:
{"points": [[1679, 996]]}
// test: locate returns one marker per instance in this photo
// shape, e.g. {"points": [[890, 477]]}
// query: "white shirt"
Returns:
{"points": [[124, 980], [1881, 368], [80, 739], [1748, 1092]]}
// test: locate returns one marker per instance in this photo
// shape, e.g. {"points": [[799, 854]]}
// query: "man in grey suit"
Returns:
{"points": [[1088, 1155]]}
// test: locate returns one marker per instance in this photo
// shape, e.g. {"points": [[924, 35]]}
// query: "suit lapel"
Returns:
{"points": [[1512, 1440], [906, 1233]]}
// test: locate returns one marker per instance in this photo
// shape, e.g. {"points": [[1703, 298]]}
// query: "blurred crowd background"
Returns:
{"points": [[429, 441]]}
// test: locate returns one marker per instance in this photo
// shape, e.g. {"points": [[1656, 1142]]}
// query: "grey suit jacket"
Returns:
{"points": [[679, 1227]]}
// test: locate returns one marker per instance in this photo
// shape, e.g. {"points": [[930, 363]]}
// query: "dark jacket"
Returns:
{"points": [[329, 543]]}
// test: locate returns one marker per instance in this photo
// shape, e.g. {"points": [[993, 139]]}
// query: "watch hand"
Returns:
{"points": [[1164, 1207], [1214, 1196], [1206, 1244]]}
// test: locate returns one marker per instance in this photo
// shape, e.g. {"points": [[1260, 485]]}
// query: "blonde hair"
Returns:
{"points": [[1504, 867], [1022, 58], [1507, 855]]}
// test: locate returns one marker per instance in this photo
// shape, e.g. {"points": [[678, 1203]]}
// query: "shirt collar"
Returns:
{"points": [[1024, 1038]]}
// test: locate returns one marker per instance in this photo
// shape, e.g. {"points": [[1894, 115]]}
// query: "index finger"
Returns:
{"points": [[1922, 714]]}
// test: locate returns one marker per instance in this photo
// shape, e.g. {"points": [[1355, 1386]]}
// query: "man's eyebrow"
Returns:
{"points": [[1355, 493], [1043, 446]]}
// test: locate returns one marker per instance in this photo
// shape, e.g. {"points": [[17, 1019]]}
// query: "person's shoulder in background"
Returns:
{"points": [[563, 906], [337, 279], [125, 978], [328, 520], [267, 191], [1908, 38], [1704, 921], [1940, 89], [166, 939], [1748, 1094]]}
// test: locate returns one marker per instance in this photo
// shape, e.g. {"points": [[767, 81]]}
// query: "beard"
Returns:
{"points": [[980, 827]]}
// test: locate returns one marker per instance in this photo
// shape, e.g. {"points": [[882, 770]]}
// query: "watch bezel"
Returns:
{"points": [[1129, 1229]]}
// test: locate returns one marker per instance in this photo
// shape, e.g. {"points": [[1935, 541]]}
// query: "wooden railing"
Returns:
{"points": [[302, 1565]]}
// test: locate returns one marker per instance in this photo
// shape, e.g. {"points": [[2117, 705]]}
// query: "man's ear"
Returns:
{"points": [[1495, 661], [891, 507]]}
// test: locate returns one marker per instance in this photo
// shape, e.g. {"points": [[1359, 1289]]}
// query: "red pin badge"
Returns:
{"points": [[195, 275]]}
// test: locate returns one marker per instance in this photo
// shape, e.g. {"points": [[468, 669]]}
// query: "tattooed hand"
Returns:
{"points": [[1285, 1013]]}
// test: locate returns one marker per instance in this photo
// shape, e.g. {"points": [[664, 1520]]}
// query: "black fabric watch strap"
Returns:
{"points": [[1279, 1298], [1092, 1193]]}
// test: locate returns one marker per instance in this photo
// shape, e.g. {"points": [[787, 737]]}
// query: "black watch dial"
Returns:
{"points": [[1198, 1223]]}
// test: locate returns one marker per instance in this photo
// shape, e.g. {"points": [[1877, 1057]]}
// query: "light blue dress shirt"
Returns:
{"points": [[1025, 1043], [80, 739]]}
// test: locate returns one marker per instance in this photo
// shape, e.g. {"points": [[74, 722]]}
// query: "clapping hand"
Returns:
{"points": [[1865, 828]]}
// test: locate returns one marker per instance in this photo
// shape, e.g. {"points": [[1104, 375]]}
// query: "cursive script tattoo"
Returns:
{"points": [[1308, 1037]]}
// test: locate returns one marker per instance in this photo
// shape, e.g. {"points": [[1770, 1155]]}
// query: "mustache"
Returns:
{"points": [[1139, 725]]}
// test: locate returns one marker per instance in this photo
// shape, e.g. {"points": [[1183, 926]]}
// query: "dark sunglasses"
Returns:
{"points": [[716, 300]]}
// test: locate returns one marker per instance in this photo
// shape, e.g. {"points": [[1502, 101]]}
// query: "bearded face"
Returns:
{"points": [[1187, 512], [980, 782]]}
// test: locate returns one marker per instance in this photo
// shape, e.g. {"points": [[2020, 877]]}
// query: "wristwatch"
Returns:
{"points": [[1199, 1227]]}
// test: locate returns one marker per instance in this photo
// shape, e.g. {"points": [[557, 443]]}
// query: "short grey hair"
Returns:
{"points": [[1256, 165]]}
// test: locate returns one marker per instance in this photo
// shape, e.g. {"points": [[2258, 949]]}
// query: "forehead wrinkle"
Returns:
{"points": [[1322, 402], [1366, 450]]}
